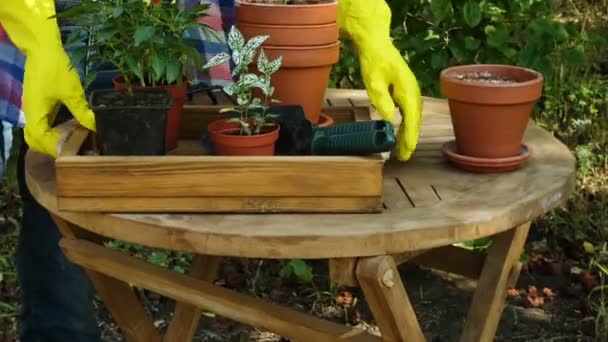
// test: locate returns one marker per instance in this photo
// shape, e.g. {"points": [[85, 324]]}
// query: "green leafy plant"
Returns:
{"points": [[299, 268], [144, 41], [253, 111]]}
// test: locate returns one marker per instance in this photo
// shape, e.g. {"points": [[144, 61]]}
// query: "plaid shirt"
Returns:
{"points": [[221, 17]]}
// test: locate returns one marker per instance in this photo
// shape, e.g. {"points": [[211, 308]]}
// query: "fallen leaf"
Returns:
{"points": [[345, 297], [549, 295], [511, 292], [533, 299], [588, 280]]}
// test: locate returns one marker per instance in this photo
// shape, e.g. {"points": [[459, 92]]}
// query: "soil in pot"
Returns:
{"points": [[490, 107], [131, 124], [178, 94], [227, 140]]}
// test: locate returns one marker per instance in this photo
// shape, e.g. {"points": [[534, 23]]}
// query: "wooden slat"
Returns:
{"points": [[453, 259], [222, 204], [343, 271], [394, 197], [421, 194], [186, 317], [231, 304], [189, 176], [490, 294], [72, 146], [119, 297], [384, 291]]}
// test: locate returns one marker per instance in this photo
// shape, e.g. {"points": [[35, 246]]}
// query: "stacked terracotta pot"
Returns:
{"points": [[307, 37]]}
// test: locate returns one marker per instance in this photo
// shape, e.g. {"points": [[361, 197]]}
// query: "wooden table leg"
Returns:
{"points": [[381, 284], [118, 296], [490, 295], [186, 316]]}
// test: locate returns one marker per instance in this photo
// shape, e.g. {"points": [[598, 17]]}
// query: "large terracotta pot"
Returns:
{"points": [[227, 142], [178, 94], [490, 117], [307, 37]]}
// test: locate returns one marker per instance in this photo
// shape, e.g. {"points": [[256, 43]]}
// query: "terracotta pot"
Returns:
{"points": [[277, 14], [307, 37], [227, 142], [178, 94], [284, 35], [490, 119]]}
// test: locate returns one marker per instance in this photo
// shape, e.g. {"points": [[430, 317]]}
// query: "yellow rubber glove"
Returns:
{"points": [[49, 80], [367, 22]]}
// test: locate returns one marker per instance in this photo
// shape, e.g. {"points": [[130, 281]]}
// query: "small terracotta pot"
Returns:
{"points": [[490, 119], [178, 94], [307, 37], [227, 142]]}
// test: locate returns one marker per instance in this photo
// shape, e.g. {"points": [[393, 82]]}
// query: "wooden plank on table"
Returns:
{"points": [[368, 204], [218, 176], [394, 197], [421, 194], [284, 321]]}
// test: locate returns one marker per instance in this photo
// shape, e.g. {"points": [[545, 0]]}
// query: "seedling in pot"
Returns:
{"points": [[253, 112]]}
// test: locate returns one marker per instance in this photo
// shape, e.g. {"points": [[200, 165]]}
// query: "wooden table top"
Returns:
{"points": [[428, 204]]}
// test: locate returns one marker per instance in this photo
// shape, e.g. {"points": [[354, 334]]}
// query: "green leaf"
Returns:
{"points": [[105, 34], [286, 271], [89, 78], [134, 66], [235, 39], [158, 65], [471, 43], [262, 61], [274, 65], [441, 9], [528, 55], [458, 51], [496, 36], [256, 42], [143, 33], [588, 247], [218, 59], [439, 60], [302, 270], [574, 56], [173, 71], [472, 13], [117, 11], [508, 52]]}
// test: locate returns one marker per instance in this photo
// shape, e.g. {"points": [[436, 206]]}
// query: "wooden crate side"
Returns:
{"points": [[368, 204], [171, 176]]}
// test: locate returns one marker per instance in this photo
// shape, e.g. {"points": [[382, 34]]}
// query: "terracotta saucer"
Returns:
{"points": [[484, 165], [325, 120]]}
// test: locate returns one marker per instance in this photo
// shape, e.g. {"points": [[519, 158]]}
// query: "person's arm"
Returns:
{"points": [[367, 22]]}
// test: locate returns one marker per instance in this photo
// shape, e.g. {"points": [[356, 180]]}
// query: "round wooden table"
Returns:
{"points": [[430, 206]]}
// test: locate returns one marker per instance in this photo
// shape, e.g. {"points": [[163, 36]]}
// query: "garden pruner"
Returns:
{"points": [[49, 79], [367, 22]]}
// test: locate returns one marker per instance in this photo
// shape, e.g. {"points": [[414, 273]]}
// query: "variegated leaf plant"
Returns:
{"points": [[253, 111]]}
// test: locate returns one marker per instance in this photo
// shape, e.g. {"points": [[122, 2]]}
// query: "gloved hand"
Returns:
{"points": [[49, 79], [367, 22]]}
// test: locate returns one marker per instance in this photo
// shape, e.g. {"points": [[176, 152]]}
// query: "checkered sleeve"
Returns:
{"points": [[220, 18], [12, 63]]}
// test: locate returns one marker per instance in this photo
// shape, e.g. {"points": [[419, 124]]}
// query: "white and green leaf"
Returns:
{"points": [[218, 59], [235, 39]]}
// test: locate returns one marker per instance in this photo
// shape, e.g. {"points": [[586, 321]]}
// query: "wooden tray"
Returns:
{"points": [[186, 180]]}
